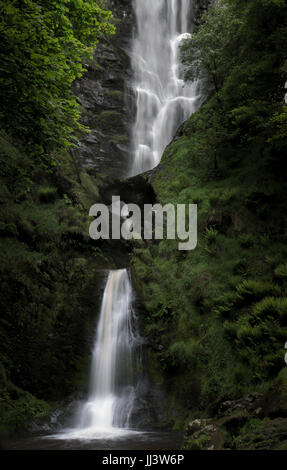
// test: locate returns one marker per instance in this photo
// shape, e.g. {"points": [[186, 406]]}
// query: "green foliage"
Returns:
{"points": [[227, 49], [211, 238], [211, 235], [200, 442], [47, 272], [228, 296], [246, 240], [254, 290], [281, 385], [225, 303], [281, 271], [47, 267], [44, 46], [16, 413], [262, 434], [260, 334], [270, 306], [47, 194], [210, 51], [183, 354]]}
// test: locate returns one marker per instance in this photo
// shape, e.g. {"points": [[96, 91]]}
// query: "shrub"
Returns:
{"points": [[281, 271], [110, 120], [246, 240], [211, 235], [182, 354], [271, 307], [254, 290], [225, 303], [47, 194]]}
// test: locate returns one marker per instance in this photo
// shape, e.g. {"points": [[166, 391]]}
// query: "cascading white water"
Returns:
{"points": [[163, 99], [112, 383], [163, 102]]}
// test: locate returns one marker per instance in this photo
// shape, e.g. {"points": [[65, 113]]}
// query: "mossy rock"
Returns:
{"points": [[265, 434], [116, 95], [111, 121], [204, 435]]}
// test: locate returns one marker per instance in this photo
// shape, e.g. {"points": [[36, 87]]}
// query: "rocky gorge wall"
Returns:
{"points": [[104, 97]]}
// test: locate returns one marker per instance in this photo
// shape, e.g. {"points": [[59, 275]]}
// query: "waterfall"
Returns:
{"points": [[112, 386], [113, 376], [163, 102], [163, 99]]}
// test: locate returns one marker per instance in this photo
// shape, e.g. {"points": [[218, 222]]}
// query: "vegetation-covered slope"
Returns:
{"points": [[217, 316], [47, 263]]}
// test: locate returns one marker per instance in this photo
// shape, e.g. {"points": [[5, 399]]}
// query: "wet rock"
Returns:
{"points": [[199, 7], [102, 94], [195, 426], [249, 404], [89, 92], [203, 434]]}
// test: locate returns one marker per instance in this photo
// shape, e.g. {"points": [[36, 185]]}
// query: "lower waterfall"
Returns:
{"points": [[112, 388], [115, 361]]}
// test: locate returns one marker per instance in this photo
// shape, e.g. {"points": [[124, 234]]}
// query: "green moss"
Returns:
{"points": [[116, 95], [111, 121], [262, 434], [200, 443], [88, 191], [119, 139], [94, 65]]}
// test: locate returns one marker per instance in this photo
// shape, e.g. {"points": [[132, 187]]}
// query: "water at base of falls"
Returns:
{"points": [[115, 360], [163, 99], [128, 441]]}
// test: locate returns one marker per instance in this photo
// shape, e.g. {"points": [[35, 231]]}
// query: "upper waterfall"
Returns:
{"points": [[163, 99]]}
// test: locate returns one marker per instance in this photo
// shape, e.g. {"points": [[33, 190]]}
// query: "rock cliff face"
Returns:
{"points": [[200, 6], [103, 95]]}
